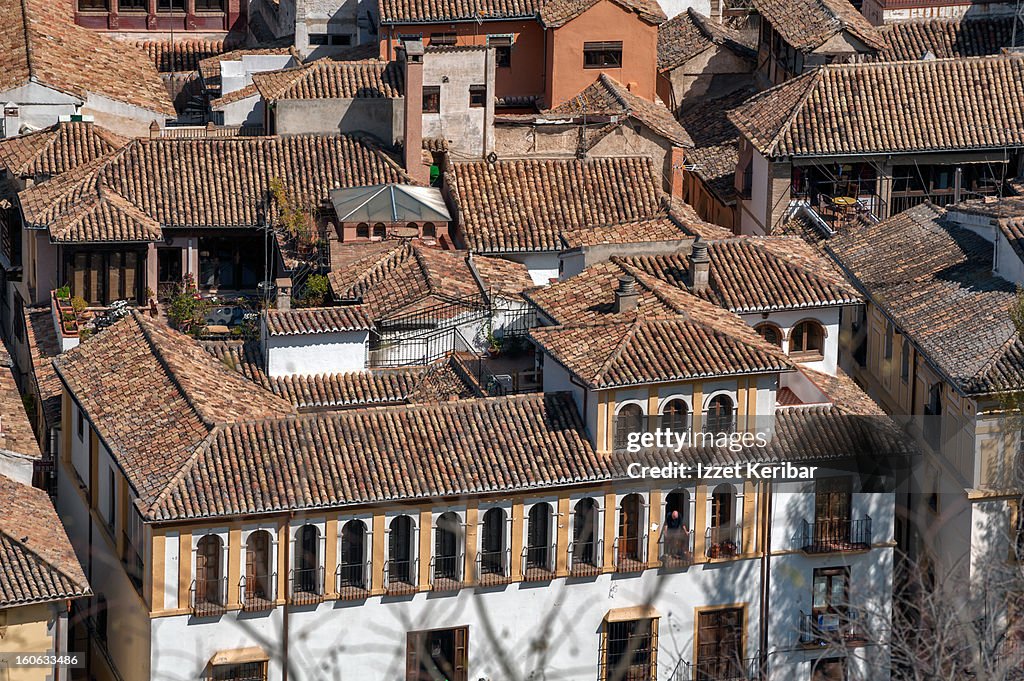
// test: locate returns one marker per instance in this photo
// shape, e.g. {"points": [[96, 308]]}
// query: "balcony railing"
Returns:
{"points": [[446, 572], [585, 558], [257, 592], [719, 421], [675, 548], [837, 627], [207, 597], [307, 586], [538, 563], [400, 577], [493, 567], [834, 535], [725, 668], [723, 542], [631, 553], [352, 581]]}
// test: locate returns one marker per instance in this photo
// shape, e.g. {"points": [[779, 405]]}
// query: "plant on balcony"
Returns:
{"points": [[299, 225], [187, 309], [314, 293]]}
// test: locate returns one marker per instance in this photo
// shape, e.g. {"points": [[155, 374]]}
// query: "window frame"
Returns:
{"points": [[502, 44], [477, 96], [600, 54], [616, 642], [432, 94]]}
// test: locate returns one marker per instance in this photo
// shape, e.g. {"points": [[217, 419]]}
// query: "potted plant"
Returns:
{"points": [[493, 345]]}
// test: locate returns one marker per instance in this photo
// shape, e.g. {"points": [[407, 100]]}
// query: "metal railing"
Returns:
{"points": [[723, 542], [493, 567], [719, 421], [446, 572], [837, 627], [833, 535], [630, 553], [401, 577], [207, 597], [257, 593], [585, 558], [726, 668], [352, 581], [306, 586], [538, 563], [675, 548]]}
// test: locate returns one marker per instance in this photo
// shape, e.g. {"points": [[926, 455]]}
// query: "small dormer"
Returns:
{"points": [[386, 211]]}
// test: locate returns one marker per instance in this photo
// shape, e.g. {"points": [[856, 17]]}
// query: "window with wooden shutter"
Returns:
{"points": [[437, 655], [629, 650], [720, 644]]}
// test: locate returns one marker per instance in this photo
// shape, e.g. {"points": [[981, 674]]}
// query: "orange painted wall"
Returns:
{"points": [[603, 22], [526, 75]]}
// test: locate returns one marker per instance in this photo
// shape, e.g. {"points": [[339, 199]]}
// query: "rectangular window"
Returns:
{"points": [[905, 360], [438, 654], [341, 40], [92, 5], [830, 590], [602, 55], [111, 500], [170, 5], [502, 45], [720, 644], [406, 37], [317, 38], [829, 669], [81, 425], [477, 96], [432, 99], [630, 649], [132, 5], [247, 671], [888, 340], [443, 39], [209, 5], [101, 277]]}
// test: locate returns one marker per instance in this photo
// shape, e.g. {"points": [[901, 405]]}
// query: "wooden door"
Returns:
{"points": [[720, 644], [257, 565]]}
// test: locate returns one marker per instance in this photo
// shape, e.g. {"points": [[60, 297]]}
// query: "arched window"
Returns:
{"points": [[676, 416], [363, 230], [770, 333], [720, 416], [807, 338], [412, 228], [630, 542], [209, 571], [447, 540], [307, 579], [538, 542], [584, 534], [258, 586], [676, 527], [400, 566], [629, 419], [380, 230], [429, 230], [352, 570], [492, 543], [722, 536]]}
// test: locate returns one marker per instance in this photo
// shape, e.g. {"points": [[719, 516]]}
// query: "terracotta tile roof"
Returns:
{"points": [[689, 33], [715, 151], [432, 11], [934, 280], [209, 67], [1012, 230], [608, 97], [847, 397], [808, 24], [203, 182], [388, 453], [761, 274], [651, 350], [177, 55], [317, 320], [893, 107], [662, 228], [375, 387], [238, 95], [393, 277], [154, 396], [329, 79], [43, 346], [37, 562], [16, 434], [103, 218], [523, 205], [943, 38], [555, 13], [39, 41], [57, 149]]}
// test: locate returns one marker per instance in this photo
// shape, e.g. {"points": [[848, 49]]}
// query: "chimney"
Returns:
{"points": [[626, 295], [284, 293], [700, 264], [412, 117]]}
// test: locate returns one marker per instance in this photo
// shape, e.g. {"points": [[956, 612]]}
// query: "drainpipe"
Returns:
{"points": [[766, 578], [287, 585]]}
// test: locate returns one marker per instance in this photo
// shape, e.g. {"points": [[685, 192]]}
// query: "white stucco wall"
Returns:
{"points": [[306, 354], [38, 107], [16, 467], [828, 317], [543, 267]]}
